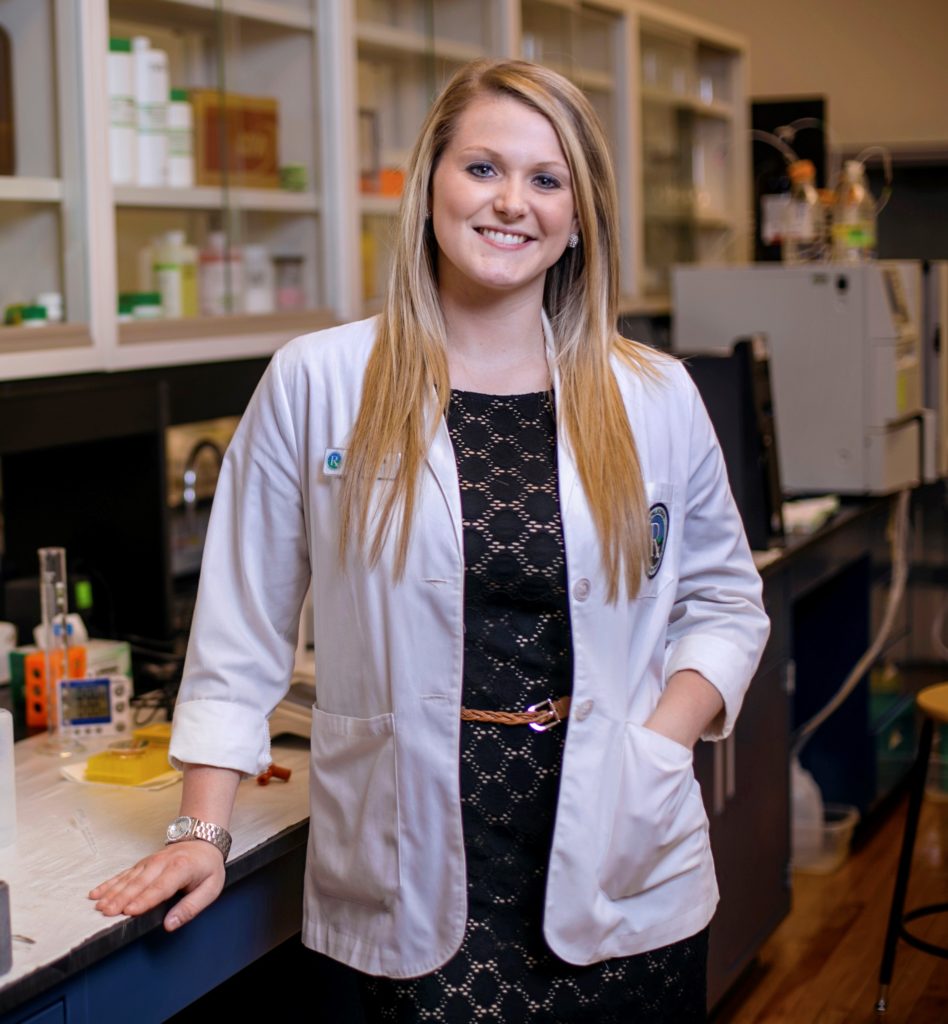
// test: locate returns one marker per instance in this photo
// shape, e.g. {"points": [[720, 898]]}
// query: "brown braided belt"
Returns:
{"points": [[540, 716]]}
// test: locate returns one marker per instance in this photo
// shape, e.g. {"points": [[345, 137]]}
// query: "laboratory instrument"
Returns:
{"points": [[55, 612], [845, 363]]}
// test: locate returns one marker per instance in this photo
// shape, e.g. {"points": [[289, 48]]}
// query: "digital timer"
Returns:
{"points": [[96, 706]]}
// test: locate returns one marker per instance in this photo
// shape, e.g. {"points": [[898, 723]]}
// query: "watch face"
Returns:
{"points": [[178, 829]]}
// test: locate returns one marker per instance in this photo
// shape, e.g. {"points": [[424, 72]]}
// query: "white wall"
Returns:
{"points": [[881, 64]]}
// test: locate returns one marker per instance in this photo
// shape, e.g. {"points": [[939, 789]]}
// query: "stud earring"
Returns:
{"points": [[573, 240]]}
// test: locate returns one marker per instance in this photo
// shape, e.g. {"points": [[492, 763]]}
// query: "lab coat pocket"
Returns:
{"points": [[659, 827], [664, 525], [354, 800]]}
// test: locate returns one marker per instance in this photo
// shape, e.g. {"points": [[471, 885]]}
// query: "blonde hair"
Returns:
{"points": [[407, 387]]}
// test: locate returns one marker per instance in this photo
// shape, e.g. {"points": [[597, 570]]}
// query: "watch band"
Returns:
{"points": [[185, 828]]}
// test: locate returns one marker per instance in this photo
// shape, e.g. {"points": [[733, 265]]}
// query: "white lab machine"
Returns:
{"points": [[845, 360]]}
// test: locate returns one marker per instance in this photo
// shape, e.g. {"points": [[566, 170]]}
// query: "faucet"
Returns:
{"points": [[190, 477]]}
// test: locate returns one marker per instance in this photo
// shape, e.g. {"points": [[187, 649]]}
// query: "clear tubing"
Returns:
{"points": [[776, 142]]}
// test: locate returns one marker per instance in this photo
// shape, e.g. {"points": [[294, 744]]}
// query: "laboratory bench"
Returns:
{"points": [[823, 592], [72, 964]]}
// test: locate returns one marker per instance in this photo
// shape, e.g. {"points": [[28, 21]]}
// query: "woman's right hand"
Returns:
{"points": [[194, 867]]}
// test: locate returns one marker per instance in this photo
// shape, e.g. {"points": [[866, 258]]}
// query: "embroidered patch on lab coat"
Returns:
{"points": [[334, 464], [658, 537], [334, 461]]}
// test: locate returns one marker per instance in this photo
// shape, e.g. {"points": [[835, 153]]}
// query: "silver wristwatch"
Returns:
{"points": [[185, 828]]}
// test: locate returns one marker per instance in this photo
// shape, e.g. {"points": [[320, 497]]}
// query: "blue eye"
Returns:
{"points": [[480, 170], [547, 182]]}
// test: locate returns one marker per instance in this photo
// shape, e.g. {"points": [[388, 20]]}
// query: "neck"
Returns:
{"points": [[496, 346]]}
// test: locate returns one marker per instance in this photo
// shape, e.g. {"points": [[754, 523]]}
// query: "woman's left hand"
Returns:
{"points": [[688, 705]]}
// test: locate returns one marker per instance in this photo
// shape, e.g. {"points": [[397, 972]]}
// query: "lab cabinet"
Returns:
{"points": [[347, 84]]}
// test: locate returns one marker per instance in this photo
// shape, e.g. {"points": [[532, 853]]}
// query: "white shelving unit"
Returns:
{"points": [[353, 80]]}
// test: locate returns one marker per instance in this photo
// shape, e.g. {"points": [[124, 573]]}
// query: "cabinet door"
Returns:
{"points": [[745, 780], [693, 153], [45, 201], [405, 52], [219, 223]]}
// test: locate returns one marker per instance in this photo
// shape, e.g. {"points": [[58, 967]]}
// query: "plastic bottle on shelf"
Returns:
{"points": [[151, 103], [53, 304], [33, 316], [147, 306], [854, 216], [802, 236], [290, 290], [220, 276], [258, 280], [180, 140], [7, 781], [123, 133], [174, 271]]}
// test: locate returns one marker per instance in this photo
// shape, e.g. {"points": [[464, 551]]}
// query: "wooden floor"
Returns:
{"points": [[822, 964]]}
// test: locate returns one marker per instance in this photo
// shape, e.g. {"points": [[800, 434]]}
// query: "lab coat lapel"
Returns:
{"points": [[565, 466], [444, 469]]}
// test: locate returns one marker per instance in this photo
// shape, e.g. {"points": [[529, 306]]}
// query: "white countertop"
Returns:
{"points": [[70, 837]]}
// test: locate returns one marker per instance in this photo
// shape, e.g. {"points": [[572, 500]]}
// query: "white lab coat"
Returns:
{"points": [[630, 866]]}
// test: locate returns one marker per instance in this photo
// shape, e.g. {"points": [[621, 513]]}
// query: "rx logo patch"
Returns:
{"points": [[333, 461], [658, 537]]}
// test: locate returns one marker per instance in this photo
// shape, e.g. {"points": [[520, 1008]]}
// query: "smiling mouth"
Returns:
{"points": [[503, 237]]}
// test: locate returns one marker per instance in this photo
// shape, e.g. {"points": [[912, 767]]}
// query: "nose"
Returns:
{"points": [[509, 201]]}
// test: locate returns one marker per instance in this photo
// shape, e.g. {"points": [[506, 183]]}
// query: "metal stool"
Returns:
{"points": [[933, 703]]}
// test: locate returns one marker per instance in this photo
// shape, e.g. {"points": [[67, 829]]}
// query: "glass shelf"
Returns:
{"points": [[249, 65]]}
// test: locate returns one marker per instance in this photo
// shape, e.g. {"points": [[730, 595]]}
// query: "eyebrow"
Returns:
{"points": [[492, 154]]}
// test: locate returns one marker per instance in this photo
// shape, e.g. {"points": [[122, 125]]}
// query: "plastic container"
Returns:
{"points": [[126, 307], [289, 282], [151, 104], [258, 280], [147, 306], [7, 781], [220, 276], [123, 133], [825, 847], [128, 766], [33, 316], [53, 302], [802, 234], [806, 813], [854, 216], [174, 271], [180, 140]]}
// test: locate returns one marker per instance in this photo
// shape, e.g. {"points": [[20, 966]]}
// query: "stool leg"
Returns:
{"points": [[916, 792]]}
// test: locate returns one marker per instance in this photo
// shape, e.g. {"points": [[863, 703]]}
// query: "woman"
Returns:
{"points": [[502, 505]]}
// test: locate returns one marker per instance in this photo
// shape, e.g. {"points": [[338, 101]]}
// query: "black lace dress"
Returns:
{"points": [[517, 653]]}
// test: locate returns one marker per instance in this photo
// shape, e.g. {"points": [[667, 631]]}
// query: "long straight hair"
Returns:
{"points": [[407, 387]]}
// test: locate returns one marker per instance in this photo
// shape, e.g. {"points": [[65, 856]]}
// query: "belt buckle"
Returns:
{"points": [[548, 708]]}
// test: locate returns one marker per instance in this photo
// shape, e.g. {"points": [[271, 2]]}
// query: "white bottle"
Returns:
{"points": [[221, 276], [258, 280], [53, 302], [174, 271], [151, 102], [180, 140], [7, 781], [123, 135]]}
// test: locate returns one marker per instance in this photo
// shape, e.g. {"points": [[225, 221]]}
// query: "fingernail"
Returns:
{"points": [[172, 923]]}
